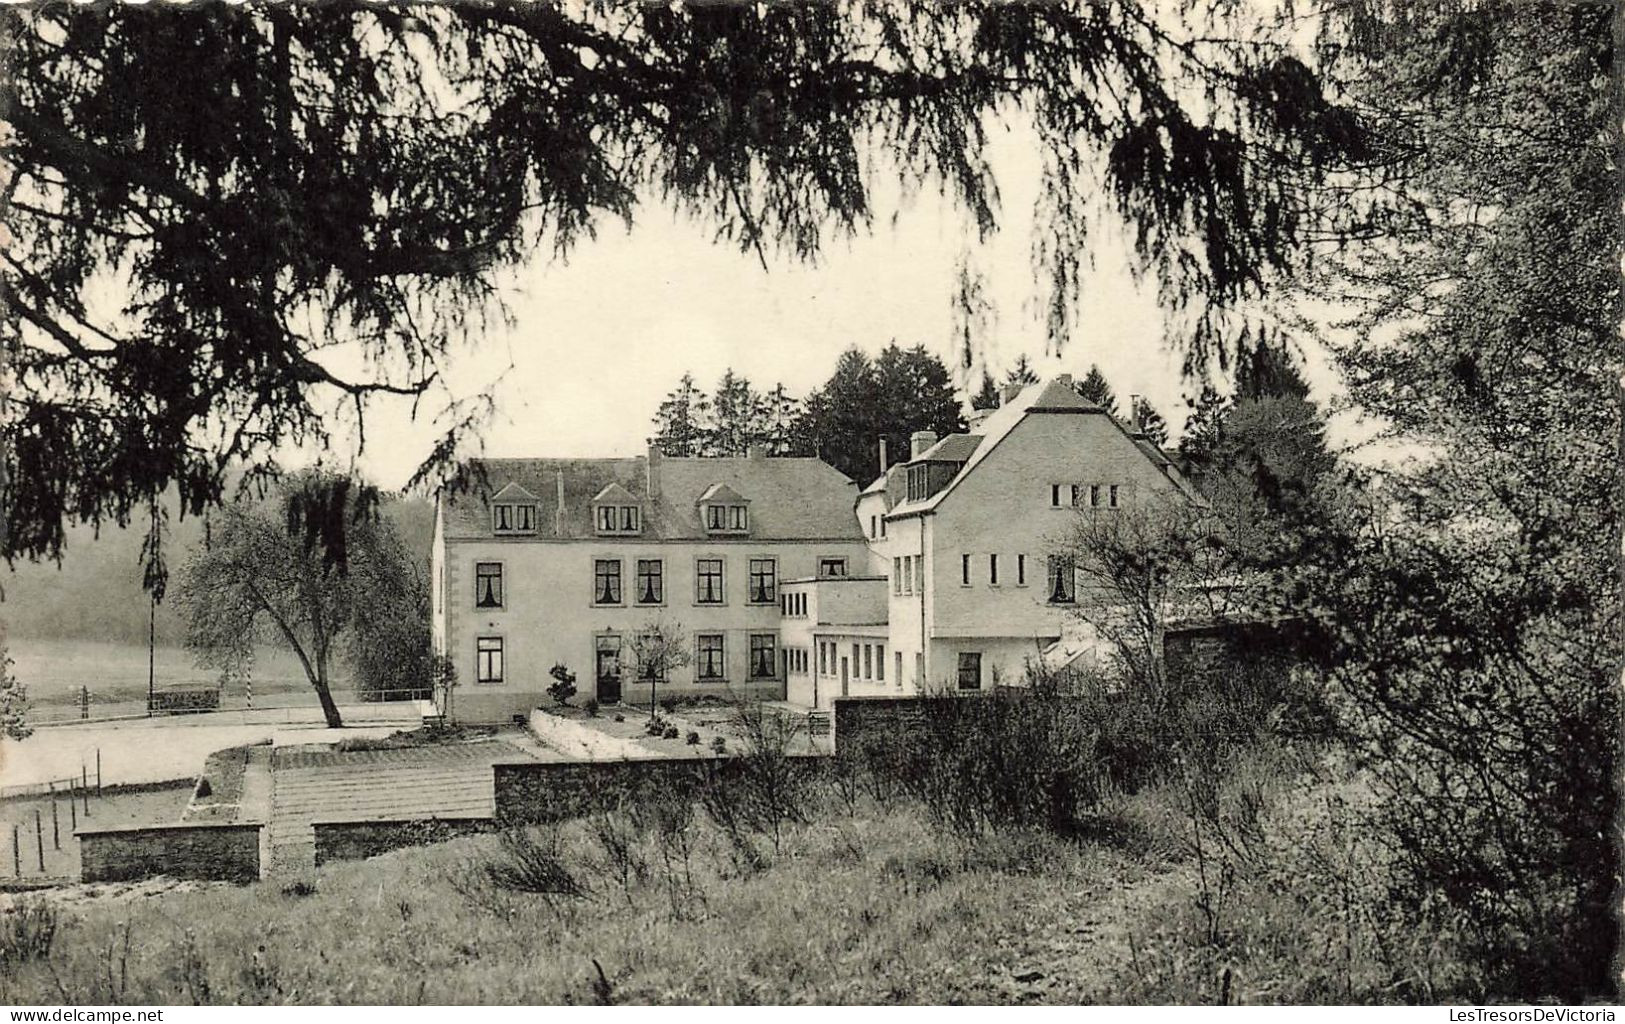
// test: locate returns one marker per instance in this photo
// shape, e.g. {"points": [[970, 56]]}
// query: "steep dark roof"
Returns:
{"points": [[953, 448], [790, 499]]}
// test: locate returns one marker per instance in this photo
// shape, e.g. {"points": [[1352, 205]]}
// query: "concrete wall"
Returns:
{"points": [[358, 840], [209, 852], [548, 613]]}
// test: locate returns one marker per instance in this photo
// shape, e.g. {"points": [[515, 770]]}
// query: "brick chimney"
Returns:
{"points": [[558, 509], [919, 441], [651, 471]]}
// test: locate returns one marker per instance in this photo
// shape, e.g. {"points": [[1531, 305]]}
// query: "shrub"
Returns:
{"points": [[692, 739], [668, 704], [203, 788], [656, 726], [27, 931], [299, 887], [532, 862], [620, 717], [719, 744], [563, 686], [591, 707], [670, 732]]}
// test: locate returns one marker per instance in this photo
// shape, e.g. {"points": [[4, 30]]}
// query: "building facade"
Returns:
{"points": [[777, 578], [580, 562]]}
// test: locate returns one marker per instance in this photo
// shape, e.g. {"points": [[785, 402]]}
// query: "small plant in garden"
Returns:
{"points": [[591, 707], [564, 683], [719, 744], [670, 733], [692, 739], [620, 717], [299, 887], [668, 704]]}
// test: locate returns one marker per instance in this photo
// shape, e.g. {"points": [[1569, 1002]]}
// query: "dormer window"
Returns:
{"points": [[615, 510], [722, 510], [513, 510], [726, 518], [513, 517]]}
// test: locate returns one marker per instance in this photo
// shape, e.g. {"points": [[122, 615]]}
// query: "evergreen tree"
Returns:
{"points": [[1022, 374], [1155, 427], [13, 698], [1096, 389], [840, 422], [780, 412], [1204, 429], [738, 417], [681, 421], [988, 396], [1268, 370]]}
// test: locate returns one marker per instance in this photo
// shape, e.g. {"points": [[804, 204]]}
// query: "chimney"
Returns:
{"points": [[558, 509], [1136, 415], [919, 441], [1064, 378], [1008, 393], [651, 471], [883, 465]]}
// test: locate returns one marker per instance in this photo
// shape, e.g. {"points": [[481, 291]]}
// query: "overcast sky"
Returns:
{"points": [[602, 336]]}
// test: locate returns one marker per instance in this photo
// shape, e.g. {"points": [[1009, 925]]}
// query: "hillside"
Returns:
{"points": [[95, 593]]}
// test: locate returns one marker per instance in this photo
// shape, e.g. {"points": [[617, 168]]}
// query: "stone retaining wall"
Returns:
{"points": [[545, 792], [358, 840], [206, 852]]}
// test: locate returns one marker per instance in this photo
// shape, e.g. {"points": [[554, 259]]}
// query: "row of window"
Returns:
{"points": [[868, 661], [619, 519], [710, 659], [793, 605], [1076, 495], [993, 578], [877, 527], [520, 517], [649, 581]]}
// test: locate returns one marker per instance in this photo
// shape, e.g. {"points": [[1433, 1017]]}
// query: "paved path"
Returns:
{"points": [[452, 781]]}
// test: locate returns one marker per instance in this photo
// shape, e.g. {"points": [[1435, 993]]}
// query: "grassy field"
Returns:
{"points": [[54, 670], [865, 902]]}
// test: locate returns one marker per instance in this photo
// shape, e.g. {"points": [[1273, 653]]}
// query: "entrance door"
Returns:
{"points": [[609, 670], [846, 673]]}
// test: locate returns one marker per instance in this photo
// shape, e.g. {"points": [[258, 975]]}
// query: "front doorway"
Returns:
{"points": [[608, 670], [846, 671]]}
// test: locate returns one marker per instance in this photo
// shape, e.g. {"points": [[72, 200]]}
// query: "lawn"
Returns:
{"points": [[866, 902], [54, 670]]}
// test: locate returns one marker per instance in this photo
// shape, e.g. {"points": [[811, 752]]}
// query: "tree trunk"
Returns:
{"points": [[330, 710]]}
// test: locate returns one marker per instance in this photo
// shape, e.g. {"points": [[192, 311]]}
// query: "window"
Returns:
{"points": [[1054, 495], [868, 661], [708, 581], [823, 659], [898, 665], [993, 570], [1062, 581], [832, 565], [651, 581], [1112, 496], [896, 575], [488, 584], [629, 518], [709, 667], [1074, 501], [618, 518], [606, 518], [854, 660], [726, 518], [1021, 570], [908, 574], [764, 655], [874, 527], [1094, 495], [510, 517], [883, 527], [488, 659], [763, 580], [606, 581], [970, 670], [880, 662], [964, 570]]}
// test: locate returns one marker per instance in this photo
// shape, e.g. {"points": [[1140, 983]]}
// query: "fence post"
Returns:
{"points": [[98, 772], [39, 840], [84, 788], [56, 826], [73, 809], [84, 702], [16, 852]]}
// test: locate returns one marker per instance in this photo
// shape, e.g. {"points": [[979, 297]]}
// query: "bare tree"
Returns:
{"points": [[658, 648]]}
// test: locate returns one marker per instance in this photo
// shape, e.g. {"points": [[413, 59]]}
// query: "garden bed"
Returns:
{"points": [[633, 729]]}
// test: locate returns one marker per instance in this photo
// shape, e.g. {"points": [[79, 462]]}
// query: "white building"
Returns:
{"points": [[785, 580]]}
